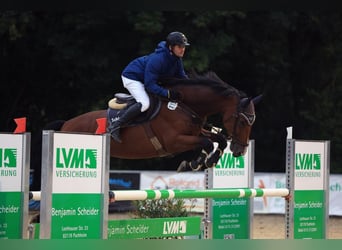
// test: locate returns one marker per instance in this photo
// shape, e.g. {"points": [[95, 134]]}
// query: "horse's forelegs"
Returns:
{"points": [[195, 165], [212, 160]]}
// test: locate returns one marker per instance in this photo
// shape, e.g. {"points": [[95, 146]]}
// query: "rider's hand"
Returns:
{"points": [[174, 95]]}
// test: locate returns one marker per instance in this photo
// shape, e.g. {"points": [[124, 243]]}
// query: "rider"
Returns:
{"points": [[142, 74]]}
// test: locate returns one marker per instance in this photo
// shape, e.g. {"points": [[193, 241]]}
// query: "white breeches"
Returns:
{"points": [[137, 90]]}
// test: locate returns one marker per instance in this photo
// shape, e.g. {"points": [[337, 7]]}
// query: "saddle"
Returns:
{"points": [[121, 101]]}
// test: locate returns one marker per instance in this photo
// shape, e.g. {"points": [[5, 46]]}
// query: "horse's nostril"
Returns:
{"points": [[237, 154]]}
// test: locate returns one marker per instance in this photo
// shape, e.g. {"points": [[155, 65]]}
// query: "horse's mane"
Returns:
{"points": [[209, 79]]}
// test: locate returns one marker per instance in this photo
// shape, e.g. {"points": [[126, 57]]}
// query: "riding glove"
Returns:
{"points": [[174, 95]]}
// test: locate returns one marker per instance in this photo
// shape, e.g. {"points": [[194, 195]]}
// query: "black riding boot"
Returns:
{"points": [[129, 114]]}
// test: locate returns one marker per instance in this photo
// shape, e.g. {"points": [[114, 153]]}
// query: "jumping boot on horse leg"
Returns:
{"points": [[211, 161], [129, 114], [194, 165], [197, 164]]}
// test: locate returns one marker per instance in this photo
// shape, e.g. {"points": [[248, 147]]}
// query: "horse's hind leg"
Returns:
{"points": [[196, 165]]}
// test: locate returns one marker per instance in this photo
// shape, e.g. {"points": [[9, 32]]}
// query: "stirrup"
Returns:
{"points": [[116, 138]]}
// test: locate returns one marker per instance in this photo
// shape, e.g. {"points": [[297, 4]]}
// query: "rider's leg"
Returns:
{"points": [[137, 90], [129, 115]]}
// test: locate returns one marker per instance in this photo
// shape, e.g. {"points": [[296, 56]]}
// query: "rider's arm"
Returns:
{"points": [[152, 74], [181, 72]]}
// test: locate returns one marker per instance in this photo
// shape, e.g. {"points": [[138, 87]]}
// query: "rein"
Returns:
{"points": [[195, 117]]}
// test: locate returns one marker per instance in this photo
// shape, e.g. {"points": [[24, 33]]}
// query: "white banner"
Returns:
{"points": [[174, 180], [269, 205], [77, 163], [276, 205], [335, 194]]}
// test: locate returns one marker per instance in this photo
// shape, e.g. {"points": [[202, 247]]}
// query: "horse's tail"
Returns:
{"points": [[55, 125]]}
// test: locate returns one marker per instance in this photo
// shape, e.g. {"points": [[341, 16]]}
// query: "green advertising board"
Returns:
{"points": [[10, 215], [230, 218], [74, 179], [308, 177], [309, 214], [154, 228], [14, 183], [151, 228], [76, 216]]}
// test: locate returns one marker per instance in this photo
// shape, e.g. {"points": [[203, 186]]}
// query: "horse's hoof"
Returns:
{"points": [[210, 164], [195, 166], [184, 166]]}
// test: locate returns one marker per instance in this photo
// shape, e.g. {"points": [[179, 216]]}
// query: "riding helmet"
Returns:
{"points": [[176, 38]]}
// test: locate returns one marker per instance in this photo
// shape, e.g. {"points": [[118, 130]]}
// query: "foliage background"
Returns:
{"points": [[58, 64]]}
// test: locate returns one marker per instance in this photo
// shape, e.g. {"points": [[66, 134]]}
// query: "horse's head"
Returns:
{"points": [[208, 94], [239, 125]]}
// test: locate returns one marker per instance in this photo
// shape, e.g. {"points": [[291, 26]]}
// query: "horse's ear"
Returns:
{"points": [[257, 99], [245, 101]]}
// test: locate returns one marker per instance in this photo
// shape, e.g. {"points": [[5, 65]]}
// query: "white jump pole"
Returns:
{"points": [[134, 195]]}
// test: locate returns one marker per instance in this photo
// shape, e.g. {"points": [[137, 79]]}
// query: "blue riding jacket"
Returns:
{"points": [[149, 69]]}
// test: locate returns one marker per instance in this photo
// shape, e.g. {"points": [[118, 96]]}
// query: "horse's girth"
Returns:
{"points": [[154, 140]]}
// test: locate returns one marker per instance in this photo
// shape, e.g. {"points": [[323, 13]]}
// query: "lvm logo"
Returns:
{"points": [[174, 227], [8, 162], [308, 161], [76, 158], [227, 160], [8, 157]]}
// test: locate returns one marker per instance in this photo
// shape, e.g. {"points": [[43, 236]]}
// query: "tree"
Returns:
{"points": [[56, 65]]}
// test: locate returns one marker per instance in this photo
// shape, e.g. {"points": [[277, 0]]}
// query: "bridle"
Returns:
{"points": [[248, 117], [239, 114]]}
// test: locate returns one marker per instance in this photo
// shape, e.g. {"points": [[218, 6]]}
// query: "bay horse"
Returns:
{"points": [[180, 127]]}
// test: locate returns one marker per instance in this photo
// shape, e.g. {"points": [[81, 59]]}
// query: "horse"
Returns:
{"points": [[181, 126], [175, 127]]}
